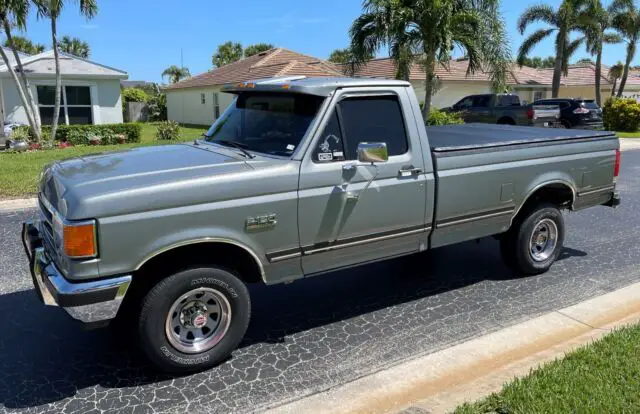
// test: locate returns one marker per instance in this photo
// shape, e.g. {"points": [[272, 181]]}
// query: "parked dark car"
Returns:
{"points": [[577, 113], [504, 109]]}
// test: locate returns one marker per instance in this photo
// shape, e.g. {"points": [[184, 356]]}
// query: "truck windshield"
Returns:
{"points": [[270, 123]]}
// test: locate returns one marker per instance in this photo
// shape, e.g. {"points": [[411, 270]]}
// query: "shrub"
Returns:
{"points": [[168, 130], [108, 133], [621, 115], [158, 107], [134, 95], [438, 117], [20, 133]]}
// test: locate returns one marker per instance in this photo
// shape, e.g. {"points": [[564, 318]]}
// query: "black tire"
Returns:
{"points": [[160, 299], [516, 245]]}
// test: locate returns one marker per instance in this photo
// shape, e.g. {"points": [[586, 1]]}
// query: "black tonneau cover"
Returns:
{"points": [[470, 137]]}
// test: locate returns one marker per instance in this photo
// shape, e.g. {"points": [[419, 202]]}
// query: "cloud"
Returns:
{"points": [[89, 26]]}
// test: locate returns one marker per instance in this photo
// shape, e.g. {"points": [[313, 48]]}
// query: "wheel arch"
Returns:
{"points": [[506, 119], [559, 191], [205, 242]]}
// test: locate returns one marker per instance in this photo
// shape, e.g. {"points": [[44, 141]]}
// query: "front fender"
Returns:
{"points": [[204, 235]]}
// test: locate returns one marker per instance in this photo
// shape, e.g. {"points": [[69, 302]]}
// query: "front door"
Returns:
{"points": [[341, 221]]}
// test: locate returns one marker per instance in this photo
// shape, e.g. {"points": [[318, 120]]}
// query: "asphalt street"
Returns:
{"points": [[313, 334]]}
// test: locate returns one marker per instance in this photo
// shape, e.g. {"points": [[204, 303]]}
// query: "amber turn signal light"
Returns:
{"points": [[80, 240]]}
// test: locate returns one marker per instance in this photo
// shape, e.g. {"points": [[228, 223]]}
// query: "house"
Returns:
{"points": [[90, 92], [197, 100], [453, 82]]}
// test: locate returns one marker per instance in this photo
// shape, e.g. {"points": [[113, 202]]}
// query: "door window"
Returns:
{"points": [[330, 146], [373, 119], [481, 101]]}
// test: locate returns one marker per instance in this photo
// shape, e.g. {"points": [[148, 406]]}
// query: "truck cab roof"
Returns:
{"points": [[313, 86]]}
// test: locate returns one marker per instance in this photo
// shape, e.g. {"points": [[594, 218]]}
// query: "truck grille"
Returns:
{"points": [[48, 235]]}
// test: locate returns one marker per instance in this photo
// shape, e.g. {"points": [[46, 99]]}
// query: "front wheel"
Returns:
{"points": [[194, 319], [534, 243]]}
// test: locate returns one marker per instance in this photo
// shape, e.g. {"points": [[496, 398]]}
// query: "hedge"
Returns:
{"points": [[132, 130], [620, 114]]}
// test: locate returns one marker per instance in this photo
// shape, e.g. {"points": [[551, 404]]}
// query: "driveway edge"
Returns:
{"points": [[440, 381], [18, 204]]}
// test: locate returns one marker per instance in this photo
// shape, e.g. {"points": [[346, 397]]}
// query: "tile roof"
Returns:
{"points": [[579, 75], [274, 62]]}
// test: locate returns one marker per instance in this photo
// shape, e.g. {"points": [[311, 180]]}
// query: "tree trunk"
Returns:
{"points": [[557, 74], [631, 51], [613, 88], [430, 68], [557, 68], [24, 92], [56, 103], [599, 76]]}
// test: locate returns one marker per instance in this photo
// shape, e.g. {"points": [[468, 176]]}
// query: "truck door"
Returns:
{"points": [[341, 223], [480, 110]]}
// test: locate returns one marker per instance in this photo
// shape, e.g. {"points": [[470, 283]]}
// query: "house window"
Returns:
{"points": [[203, 99], [216, 106], [75, 105], [537, 95]]}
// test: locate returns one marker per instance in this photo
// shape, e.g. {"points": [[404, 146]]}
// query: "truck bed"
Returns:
{"points": [[479, 137]]}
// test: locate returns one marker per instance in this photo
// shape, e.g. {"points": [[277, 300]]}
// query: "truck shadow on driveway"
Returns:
{"points": [[45, 357]]}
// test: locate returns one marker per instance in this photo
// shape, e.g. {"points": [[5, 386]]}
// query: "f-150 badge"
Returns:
{"points": [[261, 222]]}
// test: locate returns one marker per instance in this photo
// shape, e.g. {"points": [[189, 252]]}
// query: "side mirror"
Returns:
{"points": [[372, 152]]}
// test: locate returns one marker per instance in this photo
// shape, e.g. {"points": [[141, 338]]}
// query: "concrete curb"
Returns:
{"points": [[441, 381], [26, 203], [18, 204]]}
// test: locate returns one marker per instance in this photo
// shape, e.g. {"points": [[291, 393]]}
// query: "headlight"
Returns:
{"points": [[78, 240]]}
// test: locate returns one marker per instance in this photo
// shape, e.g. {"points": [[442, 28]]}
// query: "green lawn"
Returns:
{"points": [[600, 378], [19, 171], [629, 134]]}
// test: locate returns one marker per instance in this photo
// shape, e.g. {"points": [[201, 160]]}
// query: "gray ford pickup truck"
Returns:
{"points": [[298, 177]]}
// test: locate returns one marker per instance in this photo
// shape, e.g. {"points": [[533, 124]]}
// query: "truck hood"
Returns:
{"points": [[139, 179]]}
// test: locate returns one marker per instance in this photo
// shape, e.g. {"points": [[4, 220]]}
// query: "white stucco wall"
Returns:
{"points": [[105, 98], [185, 105]]}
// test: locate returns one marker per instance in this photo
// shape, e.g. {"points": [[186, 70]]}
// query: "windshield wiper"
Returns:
{"points": [[235, 144]]}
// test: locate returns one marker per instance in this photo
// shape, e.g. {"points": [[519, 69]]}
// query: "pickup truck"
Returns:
{"points": [[505, 109], [298, 177]]}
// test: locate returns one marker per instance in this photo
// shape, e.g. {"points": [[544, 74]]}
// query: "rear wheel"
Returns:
{"points": [[534, 243], [194, 319]]}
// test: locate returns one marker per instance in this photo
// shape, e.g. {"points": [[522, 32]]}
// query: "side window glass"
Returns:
{"points": [[482, 101], [374, 119], [330, 146]]}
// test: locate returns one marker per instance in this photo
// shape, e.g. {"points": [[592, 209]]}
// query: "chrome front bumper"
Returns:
{"points": [[93, 302]]}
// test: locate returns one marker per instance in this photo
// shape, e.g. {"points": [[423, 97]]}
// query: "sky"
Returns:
{"points": [[143, 37]]}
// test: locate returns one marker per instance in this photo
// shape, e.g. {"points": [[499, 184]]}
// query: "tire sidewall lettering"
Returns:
{"points": [[213, 281]]}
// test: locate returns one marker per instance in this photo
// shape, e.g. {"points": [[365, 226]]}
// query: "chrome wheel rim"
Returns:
{"points": [[198, 320], [544, 240]]}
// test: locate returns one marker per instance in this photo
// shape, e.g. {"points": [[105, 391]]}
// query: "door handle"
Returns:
{"points": [[409, 171]]}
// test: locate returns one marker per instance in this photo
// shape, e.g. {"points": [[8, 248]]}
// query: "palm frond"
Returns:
{"points": [[611, 38], [537, 13], [530, 42]]}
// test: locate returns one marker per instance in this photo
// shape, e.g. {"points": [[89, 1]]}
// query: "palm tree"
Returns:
{"points": [[174, 73], [432, 29], [596, 36], [74, 46], [615, 73], [571, 15], [626, 21], [51, 9], [13, 13], [24, 45]]}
